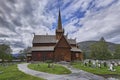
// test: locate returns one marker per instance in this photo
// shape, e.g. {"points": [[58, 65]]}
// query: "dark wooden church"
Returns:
{"points": [[54, 47]]}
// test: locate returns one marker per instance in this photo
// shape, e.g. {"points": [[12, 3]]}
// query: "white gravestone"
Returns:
{"points": [[94, 64], [111, 67]]}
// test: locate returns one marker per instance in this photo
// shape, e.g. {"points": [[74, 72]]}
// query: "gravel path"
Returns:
{"points": [[75, 75]]}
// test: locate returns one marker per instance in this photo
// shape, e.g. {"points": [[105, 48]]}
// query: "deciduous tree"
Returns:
{"points": [[100, 50], [5, 52], [117, 52]]}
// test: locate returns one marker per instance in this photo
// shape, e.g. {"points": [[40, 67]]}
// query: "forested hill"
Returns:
{"points": [[85, 46]]}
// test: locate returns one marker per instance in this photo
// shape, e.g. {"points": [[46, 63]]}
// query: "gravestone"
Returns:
{"points": [[111, 67], [85, 63], [94, 64], [89, 62], [105, 64], [99, 64]]}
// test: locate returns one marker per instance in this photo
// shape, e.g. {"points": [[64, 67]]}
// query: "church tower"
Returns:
{"points": [[59, 30]]}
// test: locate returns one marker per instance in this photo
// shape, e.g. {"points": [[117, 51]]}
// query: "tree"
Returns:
{"points": [[5, 52], [23, 53], [94, 51], [116, 55], [100, 50], [85, 55]]}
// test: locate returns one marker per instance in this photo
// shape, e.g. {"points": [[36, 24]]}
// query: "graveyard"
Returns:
{"points": [[98, 68]]}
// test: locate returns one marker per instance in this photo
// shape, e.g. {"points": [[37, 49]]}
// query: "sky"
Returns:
{"points": [[82, 19]]}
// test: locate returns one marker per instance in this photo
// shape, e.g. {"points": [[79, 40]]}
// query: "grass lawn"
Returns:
{"points": [[58, 69], [12, 73], [100, 71]]}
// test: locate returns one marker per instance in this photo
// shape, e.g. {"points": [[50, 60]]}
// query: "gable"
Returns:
{"points": [[63, 42]]}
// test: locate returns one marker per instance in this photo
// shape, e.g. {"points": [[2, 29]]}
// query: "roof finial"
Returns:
{"points": [[46, 33], [33, 33], [59, 4]]}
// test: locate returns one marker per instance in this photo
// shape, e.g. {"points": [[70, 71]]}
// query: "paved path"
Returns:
{"points": [[75, 75]]}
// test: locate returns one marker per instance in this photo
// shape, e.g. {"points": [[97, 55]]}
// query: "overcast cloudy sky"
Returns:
{"points": [[82, 19]]}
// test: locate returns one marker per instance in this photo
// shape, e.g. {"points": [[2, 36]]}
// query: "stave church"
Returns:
{"points": [[54, 47]]}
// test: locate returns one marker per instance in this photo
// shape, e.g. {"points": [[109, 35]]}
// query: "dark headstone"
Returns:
{"points": [[105, 64], [89, 62], [85, 64]]}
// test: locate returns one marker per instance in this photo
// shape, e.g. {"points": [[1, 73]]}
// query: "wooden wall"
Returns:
{"points": [[62, 54], [42, 55], [76, 56]]}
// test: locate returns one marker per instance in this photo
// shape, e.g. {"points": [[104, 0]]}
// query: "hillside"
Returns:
{"points": [[85, 46]]}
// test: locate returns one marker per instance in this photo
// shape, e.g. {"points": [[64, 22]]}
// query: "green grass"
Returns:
{"points": [[43, 67], [12, 73], [99, 71]]}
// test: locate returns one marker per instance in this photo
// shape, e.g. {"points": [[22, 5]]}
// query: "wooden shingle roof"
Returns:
{"points": [[76, 49], [49, 39], [44, 39]]}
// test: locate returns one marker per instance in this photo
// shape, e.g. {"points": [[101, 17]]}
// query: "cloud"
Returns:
{"points": [[19, 19], [98, 23], [82, 19]]}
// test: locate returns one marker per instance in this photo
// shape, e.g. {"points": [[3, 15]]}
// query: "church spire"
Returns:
{"points": [[59, 27], [59, 30]]}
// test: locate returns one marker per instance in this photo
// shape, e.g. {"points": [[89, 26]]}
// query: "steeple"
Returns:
{"points": [[59, 27], [59, 30]]}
